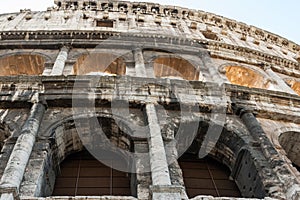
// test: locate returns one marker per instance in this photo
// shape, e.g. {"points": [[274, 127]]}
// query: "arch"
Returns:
{"points": [[65, 136], [68, 141], [207, 177], [22, 64], [227, 151], [99, 64], [83, 175], [174, 67], [246, 76], [295, 85], [290, 143]]}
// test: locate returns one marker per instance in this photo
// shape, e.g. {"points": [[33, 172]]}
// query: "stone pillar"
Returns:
{"points": [[140, 68], [282, 85], [60, 61], [161, 188], [15, 168], [283, 175]]}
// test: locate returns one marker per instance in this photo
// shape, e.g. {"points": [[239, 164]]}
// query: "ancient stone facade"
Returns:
{"points": [[178, 96]]}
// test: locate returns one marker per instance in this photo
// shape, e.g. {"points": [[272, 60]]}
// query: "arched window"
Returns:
{"points": [[172, 67], [290, 142], [295, 86], [206, 177], [22, 65], [246, 77], [82, 175], [99, 64]]}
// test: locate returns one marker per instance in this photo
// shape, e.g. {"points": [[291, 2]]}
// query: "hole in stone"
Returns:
{"points": [[105, 23]]}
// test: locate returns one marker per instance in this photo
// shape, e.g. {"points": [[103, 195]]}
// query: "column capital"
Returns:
{"points": [[266, 66], [65, 47]]}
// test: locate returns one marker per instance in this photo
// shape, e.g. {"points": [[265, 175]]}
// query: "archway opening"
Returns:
{"points": [[73, 162], [295, 86], [99, 64], [24, 64], [207, 177], [4, 135], [83, 175], [173, 67], [290, 143], [246, 77], [239, 176]]}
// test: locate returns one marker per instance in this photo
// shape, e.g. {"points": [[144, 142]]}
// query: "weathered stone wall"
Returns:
{"points": [[167, 80]]}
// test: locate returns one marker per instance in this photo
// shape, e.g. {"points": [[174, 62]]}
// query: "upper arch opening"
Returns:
{"points": [[290, 143], [99, 64], [295, 85], [23, 64], [246, 77], [173, 67]]}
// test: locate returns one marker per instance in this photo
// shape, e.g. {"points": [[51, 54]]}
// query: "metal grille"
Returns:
{"points": [[82, 175], [207, 177]]}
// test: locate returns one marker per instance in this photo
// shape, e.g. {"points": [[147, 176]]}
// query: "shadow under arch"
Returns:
{"points": [[22, 63], [290, 142], [247, 175], [99, 64], [66, 141], [228, 150], [4, 134], [245, 76], [81, 174], [173, 66]]}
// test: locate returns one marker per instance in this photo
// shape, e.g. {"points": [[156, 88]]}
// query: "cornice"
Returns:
{"points": [[92, 38]]}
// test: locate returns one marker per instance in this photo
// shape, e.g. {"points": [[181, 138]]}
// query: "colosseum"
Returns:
{"points": [[116, 100]]}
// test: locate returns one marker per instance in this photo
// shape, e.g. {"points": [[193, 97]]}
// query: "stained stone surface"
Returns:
{"points": [[165, 80]]}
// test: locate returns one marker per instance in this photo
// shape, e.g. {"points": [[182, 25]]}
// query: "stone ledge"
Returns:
{"points": [[80, 198], [202, 197]]}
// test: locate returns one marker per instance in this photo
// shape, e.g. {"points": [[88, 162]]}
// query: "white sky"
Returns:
{"points": [[278, 16]]}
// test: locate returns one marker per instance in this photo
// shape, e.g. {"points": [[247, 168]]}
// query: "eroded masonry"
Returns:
{"points": [[121, 100]]}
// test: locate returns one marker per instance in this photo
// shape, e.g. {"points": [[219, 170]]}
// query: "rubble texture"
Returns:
{"points": [[163, 81]]}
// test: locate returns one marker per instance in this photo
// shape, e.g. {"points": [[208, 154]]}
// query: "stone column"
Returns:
{"points": [[60, 61], [287, 180], [15, 168], [161, 188], [282, 85], [140, 68]]}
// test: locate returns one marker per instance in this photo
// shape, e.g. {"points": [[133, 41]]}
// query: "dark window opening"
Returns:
{"points": [[297, 167], [107, 6], [105, 23], [210, 35], [155, 10], [123, 7], [90, 5], [207, 177], [82, 175], [139, 8]]}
